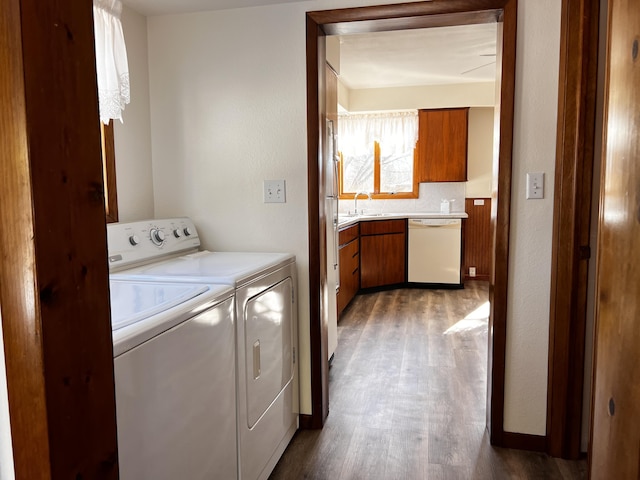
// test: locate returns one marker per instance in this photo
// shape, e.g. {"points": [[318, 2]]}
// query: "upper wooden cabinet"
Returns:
{"points": [[442, 145]]}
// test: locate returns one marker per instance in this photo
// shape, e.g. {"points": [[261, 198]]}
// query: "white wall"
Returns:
{"points": [[428, 96], [133, 137], [480, 152], [537, 69], [6, 452], [228, 109]]}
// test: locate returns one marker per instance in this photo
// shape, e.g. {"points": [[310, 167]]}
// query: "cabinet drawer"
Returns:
{"points": [[378, 227], [349, 273], [350, 256], [348, 234]]}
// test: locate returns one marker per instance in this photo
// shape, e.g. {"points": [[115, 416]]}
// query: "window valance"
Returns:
{"points": [[397, 131], [111, 59]]}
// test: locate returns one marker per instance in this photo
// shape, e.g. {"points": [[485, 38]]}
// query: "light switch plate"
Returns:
{"points": [[535, 185], [274, 191]]}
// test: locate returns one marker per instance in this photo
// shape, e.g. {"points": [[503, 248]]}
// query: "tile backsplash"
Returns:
{"points": [[430, 196]]}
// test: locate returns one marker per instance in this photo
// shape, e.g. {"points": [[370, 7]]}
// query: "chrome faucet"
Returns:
{"points": [[355, 201]]}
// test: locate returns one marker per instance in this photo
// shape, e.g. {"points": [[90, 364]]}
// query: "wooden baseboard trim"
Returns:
{"points": [[484, 278], [306, 422], [524, 441]]}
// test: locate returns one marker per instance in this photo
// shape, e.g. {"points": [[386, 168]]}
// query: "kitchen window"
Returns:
{"points": [[378, 154]]}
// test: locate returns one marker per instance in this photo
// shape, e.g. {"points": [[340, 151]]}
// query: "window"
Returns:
{"points": [[378, 154], [109, 172]]}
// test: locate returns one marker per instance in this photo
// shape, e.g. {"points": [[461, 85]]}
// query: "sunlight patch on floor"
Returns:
{"points": [[476, 320]]}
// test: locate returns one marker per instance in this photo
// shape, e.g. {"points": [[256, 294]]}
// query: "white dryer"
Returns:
{"points": [[266, 327], [174, 378]]}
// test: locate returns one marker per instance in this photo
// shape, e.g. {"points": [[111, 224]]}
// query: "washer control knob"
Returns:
{"points": [[134, 240], [187, 231], [177, 233], [157, 236]]}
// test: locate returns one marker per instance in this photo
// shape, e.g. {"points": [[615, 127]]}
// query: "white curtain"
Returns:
{"points": [[111, 59], [397, 134], [398, 131]]}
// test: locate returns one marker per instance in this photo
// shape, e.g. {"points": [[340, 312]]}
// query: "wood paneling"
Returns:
{"points": [[54, 290], [477, 238], [615, 434], [571, 225], [442, 145]]}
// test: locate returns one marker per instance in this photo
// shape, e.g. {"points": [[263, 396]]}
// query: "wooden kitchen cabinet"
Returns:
{"points": [[349, 255], [442, 145], [382, 253]]}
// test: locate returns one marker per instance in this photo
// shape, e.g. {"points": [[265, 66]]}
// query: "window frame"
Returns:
{"points": [[109, 172], [376, 194]]}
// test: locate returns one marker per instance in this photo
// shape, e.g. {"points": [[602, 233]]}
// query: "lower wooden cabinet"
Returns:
{"points": [[372, 254], [349, 257], [382, 253]]}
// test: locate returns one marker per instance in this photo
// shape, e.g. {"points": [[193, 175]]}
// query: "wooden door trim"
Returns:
{"points": [[53, 274], [571, 225], [395, 17], [318, 325]]}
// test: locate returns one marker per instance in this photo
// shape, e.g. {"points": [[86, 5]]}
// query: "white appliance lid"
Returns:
{"points": [[228, 268], [132, 302]]}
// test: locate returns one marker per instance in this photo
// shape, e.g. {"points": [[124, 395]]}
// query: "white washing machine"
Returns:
{"points": [[174, 380], [266, 325]]}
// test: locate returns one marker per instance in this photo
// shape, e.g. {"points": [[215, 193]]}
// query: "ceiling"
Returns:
{"points": [[431, 56]]}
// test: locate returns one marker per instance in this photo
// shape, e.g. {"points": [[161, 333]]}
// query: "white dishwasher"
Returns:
{"points": [[435, 251]]}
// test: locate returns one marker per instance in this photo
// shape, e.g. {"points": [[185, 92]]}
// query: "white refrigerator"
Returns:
{"points": [[333, 268]]}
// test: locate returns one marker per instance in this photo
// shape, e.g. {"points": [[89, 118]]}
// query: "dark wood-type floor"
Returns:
{"points": [[407, 396]]}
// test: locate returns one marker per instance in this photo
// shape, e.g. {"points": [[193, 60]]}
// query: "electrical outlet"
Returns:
{"points": [[274, 191], [472, 271]]}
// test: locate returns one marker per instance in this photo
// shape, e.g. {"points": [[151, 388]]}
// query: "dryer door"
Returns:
{"points": [[268, 336]]}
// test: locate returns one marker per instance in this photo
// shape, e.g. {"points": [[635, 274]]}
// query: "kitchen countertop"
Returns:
{"points": [[346, 220]]}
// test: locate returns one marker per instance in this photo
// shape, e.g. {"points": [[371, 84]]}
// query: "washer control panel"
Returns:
{"points": [[147, 240]]}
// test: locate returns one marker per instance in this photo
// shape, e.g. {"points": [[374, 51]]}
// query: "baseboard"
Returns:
{"points": [[436, 286], [524, 441], [484, 278], [306, 422]]}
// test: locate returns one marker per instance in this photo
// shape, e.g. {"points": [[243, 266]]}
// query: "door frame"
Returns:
{"points": [[401, 17], [54, 279], [577, 97]]}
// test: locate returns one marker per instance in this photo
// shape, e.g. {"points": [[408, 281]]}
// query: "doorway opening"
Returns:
{"points": [[404, 17]]}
